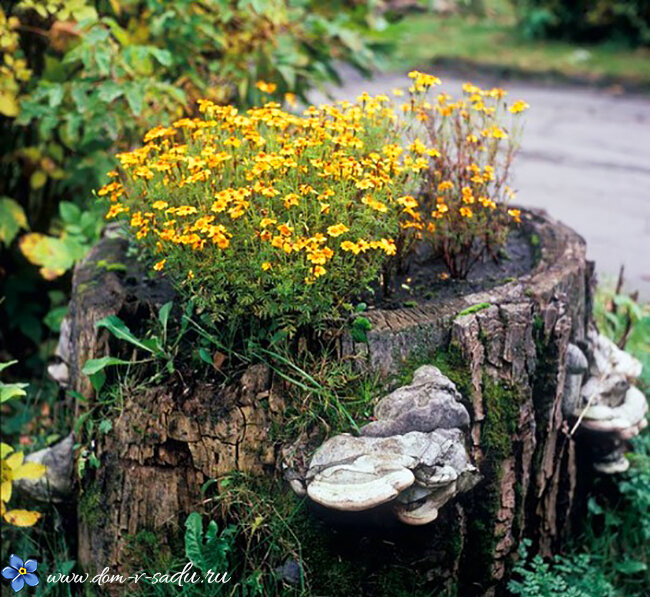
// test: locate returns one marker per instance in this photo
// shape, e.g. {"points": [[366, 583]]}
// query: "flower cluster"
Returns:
{"points": [[463, 211], [267, 212], [286, 217]]}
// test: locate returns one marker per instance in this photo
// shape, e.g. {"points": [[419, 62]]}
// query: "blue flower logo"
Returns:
{"points": [[20, 573]]}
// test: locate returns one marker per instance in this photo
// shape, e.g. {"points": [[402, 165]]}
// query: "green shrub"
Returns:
{"points": [[80, 79], [626, 21]]}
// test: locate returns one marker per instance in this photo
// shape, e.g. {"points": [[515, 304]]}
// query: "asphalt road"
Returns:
{"points": [[585, 158]]}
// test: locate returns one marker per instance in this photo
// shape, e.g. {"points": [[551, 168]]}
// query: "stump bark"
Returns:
{"points": [[505, 348]]}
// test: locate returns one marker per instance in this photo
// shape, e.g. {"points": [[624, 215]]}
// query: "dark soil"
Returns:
{"points": [[424, 276]]}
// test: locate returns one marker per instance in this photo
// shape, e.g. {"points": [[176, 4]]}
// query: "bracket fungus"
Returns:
{"points": [[609, 410], [413, 455]]}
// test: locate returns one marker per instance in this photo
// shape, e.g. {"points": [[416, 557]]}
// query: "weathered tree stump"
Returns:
{"points": [[507, 359]]}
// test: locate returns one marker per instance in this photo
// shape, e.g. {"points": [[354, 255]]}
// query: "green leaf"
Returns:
{"points": [[162, 56], [120, 330], [205, 356], [109, 91], [135, 98], [3, 366], [631, 566], [54, 318], [105, 425], [12, 219], [98, 380], [9, 391], [70, 213], [193, 540], [360, 326], [163, 315], [92, 366]]}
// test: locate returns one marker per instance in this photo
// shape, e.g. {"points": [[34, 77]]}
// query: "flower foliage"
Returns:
{"points": [[287, 217], [471, 142], [268, 213]]}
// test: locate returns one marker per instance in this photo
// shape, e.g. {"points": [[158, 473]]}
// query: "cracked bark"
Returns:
{"points": [[518, 343], [166, 441]]}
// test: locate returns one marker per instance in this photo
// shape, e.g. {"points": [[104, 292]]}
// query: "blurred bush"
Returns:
{"points": [[623, 21], [80, 79]]}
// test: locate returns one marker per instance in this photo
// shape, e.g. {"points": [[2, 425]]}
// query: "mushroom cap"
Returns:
{"points": [[630, 413], [576, 361], [425, 511], [345, 487]]}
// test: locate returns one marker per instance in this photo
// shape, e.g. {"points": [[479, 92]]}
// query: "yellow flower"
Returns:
{"points": [[350, 247], [291, 199], [159, 204], [285, 229], [337, 230], [397, 92], [466, 212], [160, 265], [515, 214], [266, 87], [519, 106], [264, 222], [290, 98], [266, 266], [445, 185]]}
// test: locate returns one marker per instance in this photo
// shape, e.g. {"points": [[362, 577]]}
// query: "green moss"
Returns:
{"points": [[474, 309], [110, 267], [150, 550], [90, 510], [502, 403]]}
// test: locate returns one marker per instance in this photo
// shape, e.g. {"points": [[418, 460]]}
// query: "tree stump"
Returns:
{"points": [[505, 348]]}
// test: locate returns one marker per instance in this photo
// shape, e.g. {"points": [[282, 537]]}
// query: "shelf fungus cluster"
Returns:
{"points": [[412, 455], [599, 396]]}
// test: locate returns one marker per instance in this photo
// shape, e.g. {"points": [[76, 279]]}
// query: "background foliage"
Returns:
{"points": [[626, 21], [82, 79]]}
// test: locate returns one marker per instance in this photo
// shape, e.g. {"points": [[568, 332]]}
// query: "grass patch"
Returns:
{"points": [[494, 42]]}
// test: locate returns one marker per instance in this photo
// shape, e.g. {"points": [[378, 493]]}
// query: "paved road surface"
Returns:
{"points": [[585, 158]]}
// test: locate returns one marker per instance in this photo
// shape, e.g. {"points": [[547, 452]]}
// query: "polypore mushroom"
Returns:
{"points": [[413, 455], [576, 365], [610, 410], [429, 402]]}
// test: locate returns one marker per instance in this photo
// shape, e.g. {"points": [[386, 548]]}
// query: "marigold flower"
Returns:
{"points": [[266, 87], [519, 106], [160, 265], [515, 214], [337, 230]]}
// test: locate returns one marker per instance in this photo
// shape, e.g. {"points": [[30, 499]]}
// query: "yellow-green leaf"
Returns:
{"points": [[52, 254], [29, 470], [22, 518], [5, 450], [38, 179], [12, 219], [9, 105], [5, 492], [15, 460]]}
